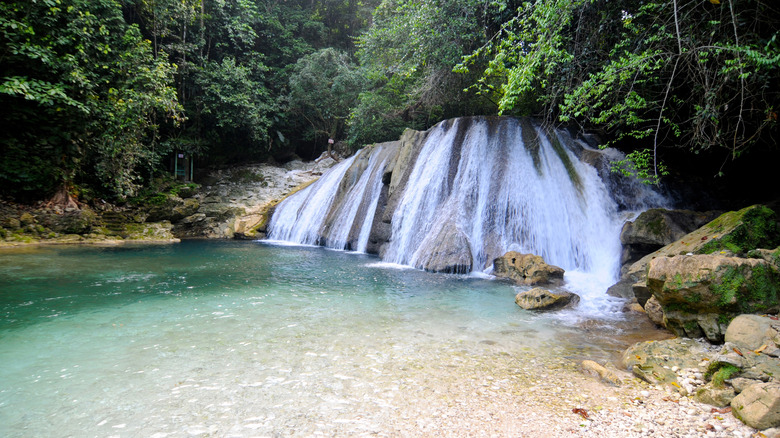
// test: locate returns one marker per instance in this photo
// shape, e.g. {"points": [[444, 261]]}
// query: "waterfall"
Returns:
{"points": [[338, 209], [468, 191], [300, 217], [505, 195]]}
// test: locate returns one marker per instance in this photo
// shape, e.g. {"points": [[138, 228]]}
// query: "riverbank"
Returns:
{"points": [[228, 203]]}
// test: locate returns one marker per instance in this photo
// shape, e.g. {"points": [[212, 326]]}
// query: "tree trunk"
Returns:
{"points": [[63, 199]]}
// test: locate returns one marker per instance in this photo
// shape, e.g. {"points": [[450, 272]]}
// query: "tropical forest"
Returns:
{"points": [[396, 218]]}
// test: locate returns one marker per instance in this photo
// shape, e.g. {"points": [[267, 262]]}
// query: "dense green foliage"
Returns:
{"points": [[409, 54], [81, 97], [100, 93], [323, 88], [693, 74]]}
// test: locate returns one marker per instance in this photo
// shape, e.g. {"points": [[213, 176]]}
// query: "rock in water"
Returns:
{"points": [[597, 370], [527, 269], [543, 299], [449, 252]]}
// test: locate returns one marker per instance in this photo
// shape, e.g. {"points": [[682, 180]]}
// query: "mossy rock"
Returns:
{"points": [[747, 229], [701, 293], [156, 231]]}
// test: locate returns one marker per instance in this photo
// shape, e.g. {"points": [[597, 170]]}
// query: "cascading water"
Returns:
{"points": [[318, 216], [300, 217], [476, 188]]}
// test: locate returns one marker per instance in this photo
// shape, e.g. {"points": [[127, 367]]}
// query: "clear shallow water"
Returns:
{"points": [[248, 339]]}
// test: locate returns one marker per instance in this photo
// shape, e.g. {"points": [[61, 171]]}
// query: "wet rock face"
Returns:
{"points": [[450, 252], [527, 269], [658, 227], [543, 299]]}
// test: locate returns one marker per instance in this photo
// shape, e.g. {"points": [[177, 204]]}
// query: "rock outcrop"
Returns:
{"points": [[45, 225], [658, 227], [543, 299], [237, 202], [527, 269], [700, 294], [736, 232]]}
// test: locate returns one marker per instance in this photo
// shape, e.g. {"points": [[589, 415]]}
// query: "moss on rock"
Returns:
{"points": [[747, 288], [752, 227]]}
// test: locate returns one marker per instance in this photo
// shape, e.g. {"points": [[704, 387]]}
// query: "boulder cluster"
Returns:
{"points": [[532, 270], [717, 287], [712, 279]]}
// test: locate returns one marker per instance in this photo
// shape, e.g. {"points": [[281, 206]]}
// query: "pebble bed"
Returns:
{"points": [[560, 402]]}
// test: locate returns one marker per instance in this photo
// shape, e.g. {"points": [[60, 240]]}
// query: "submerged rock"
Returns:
{"points": [[543, 299], [656, 361], [597, 370], [527, 269]]}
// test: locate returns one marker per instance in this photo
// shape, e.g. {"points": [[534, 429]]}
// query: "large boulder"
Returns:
{"points": [[700, 294], [737, 232], [449, 252], [755, 332], [657, 227], [527, 269], [543, 299], [758, 405]]}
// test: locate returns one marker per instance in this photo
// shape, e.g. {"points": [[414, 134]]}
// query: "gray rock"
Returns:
{"points": [[449, 252], [751, 332], [527, 269], [654, 311], [716, 396], [740, 383], [543, 299], [758, 405]]}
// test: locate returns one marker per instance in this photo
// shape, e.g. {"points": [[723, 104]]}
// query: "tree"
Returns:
{"points": [[683, 74], [323, 89], [85, 96], [409, 53]]}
